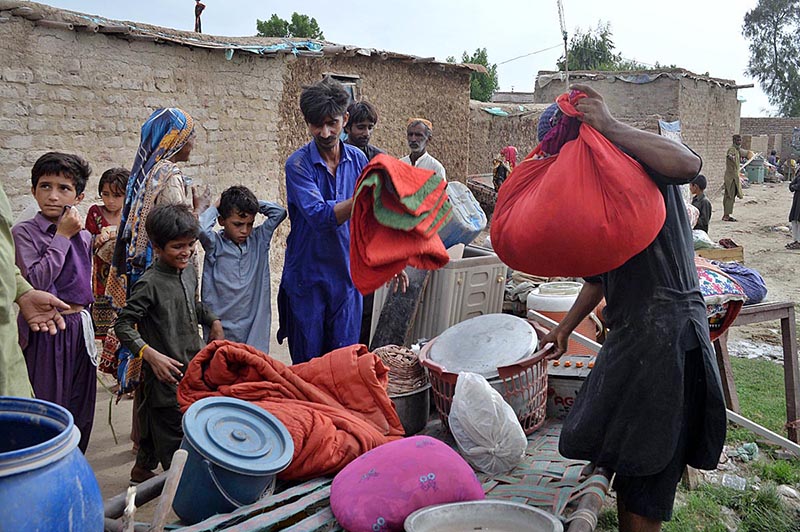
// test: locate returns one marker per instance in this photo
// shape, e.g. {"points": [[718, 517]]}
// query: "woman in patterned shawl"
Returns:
{"points": [[167, 139]]}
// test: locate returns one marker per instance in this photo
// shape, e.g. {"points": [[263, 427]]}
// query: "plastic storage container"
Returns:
{"points": [[554, 301], [236, 449], [471, 286], [468, 218], [46, 484], [755, 173]]}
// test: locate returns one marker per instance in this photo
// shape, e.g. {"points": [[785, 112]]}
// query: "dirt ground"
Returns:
{"points": [[761, 229]]}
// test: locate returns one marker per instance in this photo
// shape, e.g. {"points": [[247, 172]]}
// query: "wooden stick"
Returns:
{"points": [[777, 439], [128, 515], [170, 487]]}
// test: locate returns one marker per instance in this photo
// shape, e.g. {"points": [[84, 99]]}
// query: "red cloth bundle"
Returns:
{"points": [[397, 210], [335, 407], [582, 212]]}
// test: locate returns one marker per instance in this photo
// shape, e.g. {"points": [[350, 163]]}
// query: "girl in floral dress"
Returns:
{"points": [[102, 222]]}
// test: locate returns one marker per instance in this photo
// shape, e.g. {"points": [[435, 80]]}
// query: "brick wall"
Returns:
{"points": [[488, 133], [757, 143], [641, 106], [709, 115], [708, 112], [90, 93], [773, 126], [398, 90]]}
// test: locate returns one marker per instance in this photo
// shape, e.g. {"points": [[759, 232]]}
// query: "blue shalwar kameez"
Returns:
{"points": [[319, 307], [236, 278]]}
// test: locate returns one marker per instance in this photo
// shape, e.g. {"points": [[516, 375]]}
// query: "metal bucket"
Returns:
{"points": [[413, 409], [487, 515]]}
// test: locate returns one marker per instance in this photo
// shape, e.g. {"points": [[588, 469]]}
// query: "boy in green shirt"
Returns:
{"points": [[160, 324]]}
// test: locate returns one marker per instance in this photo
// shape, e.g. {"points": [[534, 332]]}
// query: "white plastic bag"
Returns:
{"points": [[485, 427], [702, 240]]}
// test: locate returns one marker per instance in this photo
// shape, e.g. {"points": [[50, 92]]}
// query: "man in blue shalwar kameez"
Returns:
{"points": [[319, 307]]}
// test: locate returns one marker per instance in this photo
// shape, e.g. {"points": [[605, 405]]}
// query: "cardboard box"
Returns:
{"points": [[723, 255]]}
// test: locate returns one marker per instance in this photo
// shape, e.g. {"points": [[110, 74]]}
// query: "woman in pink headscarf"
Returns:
{"points": [[503, 164]]}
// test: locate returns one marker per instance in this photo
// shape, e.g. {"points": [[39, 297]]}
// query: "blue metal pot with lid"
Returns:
{"points": [[236, 450]]}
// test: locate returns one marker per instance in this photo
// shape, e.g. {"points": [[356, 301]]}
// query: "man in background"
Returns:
{"points": [[359, 127], [733, 186], [419, 133]]}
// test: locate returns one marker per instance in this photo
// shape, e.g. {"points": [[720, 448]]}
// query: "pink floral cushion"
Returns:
{"points": [[378, 490]]}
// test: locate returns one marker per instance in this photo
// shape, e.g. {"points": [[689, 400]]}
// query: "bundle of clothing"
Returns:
{"points": [[749, 279], [335, 407], [409, 205], [723, 296], [577, 206]]}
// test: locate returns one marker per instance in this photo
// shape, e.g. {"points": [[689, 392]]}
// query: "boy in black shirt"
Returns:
{"points": [[700, 201], [160, 325]]}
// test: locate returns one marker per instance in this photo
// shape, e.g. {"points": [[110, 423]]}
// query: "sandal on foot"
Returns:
{"points": [[793, 245]]}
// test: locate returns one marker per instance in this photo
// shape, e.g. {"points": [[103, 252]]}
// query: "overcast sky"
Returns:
{"points": [[701, 36]]}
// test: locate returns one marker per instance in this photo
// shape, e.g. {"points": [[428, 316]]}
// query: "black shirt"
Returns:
{"points": [[704, 206], [628, 414], [369, 150]]}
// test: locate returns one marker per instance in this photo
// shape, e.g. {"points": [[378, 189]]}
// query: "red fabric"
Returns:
{"points": [[377, 252], [406, 179], [510, 155], [734, 307], [583, 212], [335, 407]]}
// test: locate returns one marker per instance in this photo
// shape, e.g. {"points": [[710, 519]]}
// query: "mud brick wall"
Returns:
{"points": [[488, 134], [757, 143], [399, 90], [709, 113], [89, 93], [773, 126], [641, 106]]}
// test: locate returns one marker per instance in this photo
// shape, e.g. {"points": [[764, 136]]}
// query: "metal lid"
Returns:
{"points": [[238, 436], [484, 343]]}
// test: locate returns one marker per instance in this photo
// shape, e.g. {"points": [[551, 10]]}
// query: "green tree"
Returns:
{"points": [[301, 26], [274, 27], [481, 85], [773, 29], [594, 50]]}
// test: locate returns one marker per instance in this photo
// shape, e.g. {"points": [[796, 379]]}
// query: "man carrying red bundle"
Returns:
{"points": [[653, 402]]}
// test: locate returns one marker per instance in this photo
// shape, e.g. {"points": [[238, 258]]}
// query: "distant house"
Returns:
{"points": [[707, 108], [513, 97], [783, 134]]}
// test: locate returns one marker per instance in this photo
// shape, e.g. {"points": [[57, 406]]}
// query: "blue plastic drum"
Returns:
{"points": [[46, 484], [235, 449]]}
